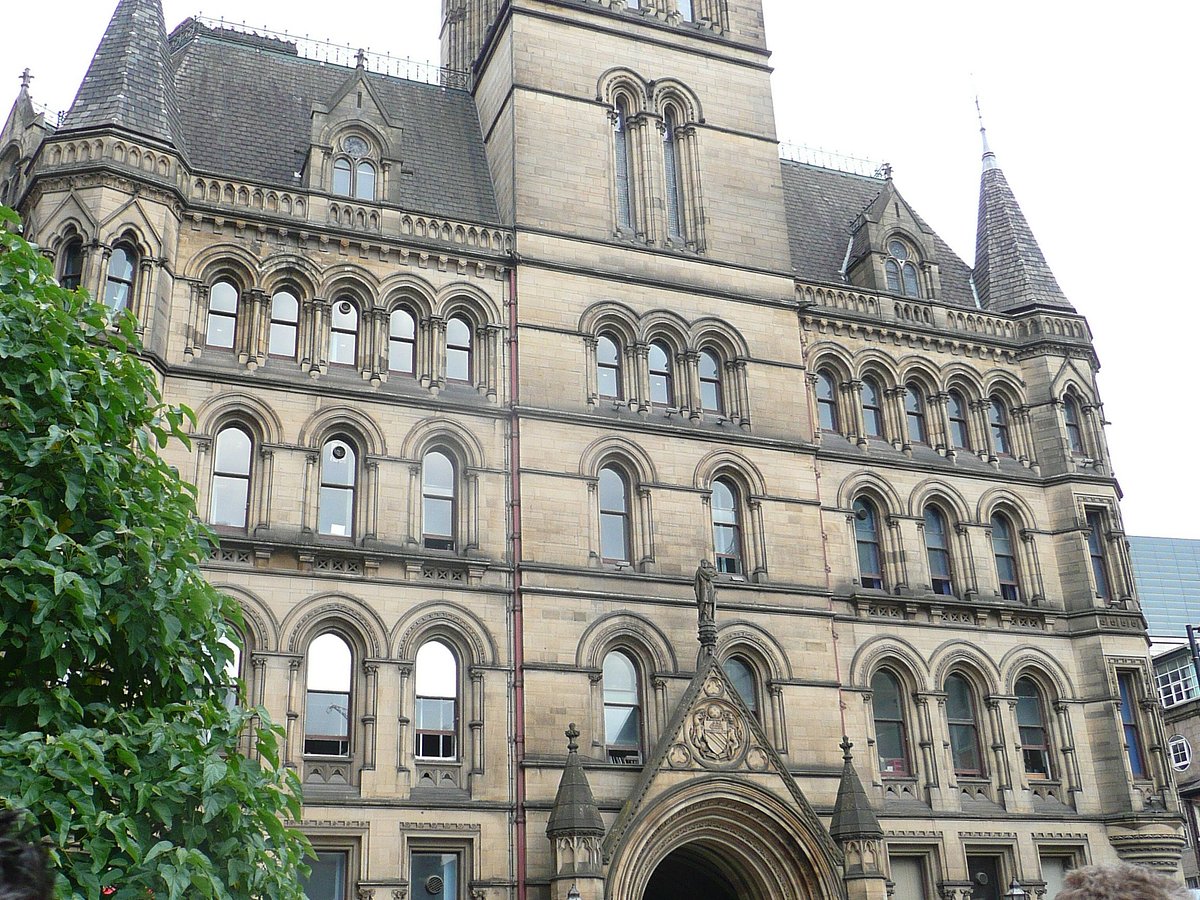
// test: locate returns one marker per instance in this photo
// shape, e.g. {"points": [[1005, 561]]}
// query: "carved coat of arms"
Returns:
{"points": [[717, 732]]}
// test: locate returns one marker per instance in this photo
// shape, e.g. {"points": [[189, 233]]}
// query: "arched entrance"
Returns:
{"points": [[693, 873]]}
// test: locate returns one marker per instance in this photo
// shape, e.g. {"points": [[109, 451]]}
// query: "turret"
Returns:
{"points": [[575, 830], [858, 834]]}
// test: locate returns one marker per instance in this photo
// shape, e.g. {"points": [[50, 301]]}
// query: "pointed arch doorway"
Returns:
{"points": [[694, 872]]}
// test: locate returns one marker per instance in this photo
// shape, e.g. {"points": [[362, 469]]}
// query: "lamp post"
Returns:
{"points": [[1015, 891]]}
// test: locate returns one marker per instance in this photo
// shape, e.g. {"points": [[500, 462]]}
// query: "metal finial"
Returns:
{"points": [[846, 746], [26, 77], [989, 158], [360, 58], [886, 169], [572, 738]]}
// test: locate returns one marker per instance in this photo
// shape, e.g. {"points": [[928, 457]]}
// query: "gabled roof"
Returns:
{"points": [[131, 82], [1010, 271], [822, 208]]}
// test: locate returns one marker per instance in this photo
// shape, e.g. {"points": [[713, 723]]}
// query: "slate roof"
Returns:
{"points": [[574, 811], [822, 205], [130, 82], [853, 816], [1010, 271]]}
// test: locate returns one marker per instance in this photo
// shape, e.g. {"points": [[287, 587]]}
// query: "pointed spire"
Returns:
{"points": [[131, 81], [853, 817], [1010, 271], [575, 811]]}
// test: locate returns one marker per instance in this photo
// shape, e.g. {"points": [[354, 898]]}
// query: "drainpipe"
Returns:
{"points": [[518, 616]]}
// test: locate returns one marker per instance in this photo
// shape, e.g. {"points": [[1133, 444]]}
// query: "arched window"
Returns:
{"points": [[364, 181], [937, 551], [342, 176], [674, 188], [866, 536], [741, 673], [1071, 420], [72, 264], [614, 516], [914, 414], [891, 732], [222, 314], [998, 419], [1130, 725], [872, 408], [662, 384], [727, 530], [710, 382], [901, 271], [1095, 540], [437, 495], [608, 368], [458, 349], [354, 176], [622, 155], [327, 701], [343, 334], [1005, 551], [827, 407], [285, 324], [402, 342], [230, 500], [956, 412], [118, 286], [964, 728], [437, 702], [1031, 723], [335, 505], [233, 670], [622, 710]]}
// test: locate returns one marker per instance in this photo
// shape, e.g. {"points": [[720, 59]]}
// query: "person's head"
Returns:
{"points": [[1121, 881], [24, 870]]}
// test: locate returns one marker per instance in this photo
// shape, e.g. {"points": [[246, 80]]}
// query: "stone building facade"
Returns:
{"points": [[482, 369]]}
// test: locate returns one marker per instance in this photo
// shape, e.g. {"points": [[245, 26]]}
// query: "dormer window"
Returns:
{"points": [[901, 271], [353, 174]]}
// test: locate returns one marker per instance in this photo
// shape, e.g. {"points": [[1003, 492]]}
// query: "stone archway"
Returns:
{"points": [[730, 835]]}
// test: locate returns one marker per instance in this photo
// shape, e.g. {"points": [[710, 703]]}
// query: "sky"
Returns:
{"points": [[1089, 108]]}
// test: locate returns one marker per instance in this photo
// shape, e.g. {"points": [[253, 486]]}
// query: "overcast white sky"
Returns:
{"points": [[1090, 108]]}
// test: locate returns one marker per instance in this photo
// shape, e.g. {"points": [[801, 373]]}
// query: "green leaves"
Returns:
{"points": [[114, 732]]}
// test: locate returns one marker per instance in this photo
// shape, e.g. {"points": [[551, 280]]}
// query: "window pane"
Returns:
{"points": [[621, 152], [229, 499], [284, 314], [437, 671], [827, 401], [336, 511], [364, 187], [614, 542], [439, 517], [892, 270], [438, 474], [685, 9], [233, 452], [337, 464], [959, 703], [116, 294], [458, 350], [742, 677], [908, 874], [120, 264], [1054, 873], [341, 177], [327, 880], [914, 410], [621, 726], [434, 876], [329, 660], [613, 495], [620, 679], [910, 280], [671, 175]]}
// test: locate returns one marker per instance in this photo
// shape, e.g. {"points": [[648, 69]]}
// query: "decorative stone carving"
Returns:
{"points": [[717, 732]]}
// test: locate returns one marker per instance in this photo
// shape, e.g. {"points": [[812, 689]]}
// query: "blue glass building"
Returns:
{"points": [[1167, 572]]}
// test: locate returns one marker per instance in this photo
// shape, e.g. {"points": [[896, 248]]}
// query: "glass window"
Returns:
{"points": [[741, 674], [900, 270], [1031, 723], [827, 408], [341, 176], [1181, 752], [458, 349], [956, 412], [891, 732], [914, 413], [231, 478], [1005, 552], [327, 702], [685, 9], [964, 732], [72, 265], [608, 368], [233, 670], [1176, 680], [285, 320], [998, 419], [1054, 873], [1071, 418], [866, 535], [662, 387], [435, 876], [437, 702], [622, 712], [614, 516], [1129, 724], [343, 334], [327, 876], [908, 875], [872, 408], [671, 162], [937, 551], [437, 491], [335, 505], [622, 155], [402, 342], [727, 530], [222, 314], [118, 286], [1095, 525], [710, 382], [364, 181]]}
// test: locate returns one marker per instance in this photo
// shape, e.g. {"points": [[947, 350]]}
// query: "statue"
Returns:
{"points": [[706, 602]]}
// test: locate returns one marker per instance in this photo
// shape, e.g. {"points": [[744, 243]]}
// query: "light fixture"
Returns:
{"points": [[1015, 891], [573, 893]]}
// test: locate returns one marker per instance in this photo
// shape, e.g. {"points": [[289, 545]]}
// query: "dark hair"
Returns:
{"points": [[1120, 881], [24, 869]]}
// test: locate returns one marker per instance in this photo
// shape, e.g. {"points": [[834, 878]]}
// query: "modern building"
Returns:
{"points": [[484, 366]]}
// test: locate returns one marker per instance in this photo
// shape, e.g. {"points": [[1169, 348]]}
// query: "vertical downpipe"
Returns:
{"points": [[514, 465]]}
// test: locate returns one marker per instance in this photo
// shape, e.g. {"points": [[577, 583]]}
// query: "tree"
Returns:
{"points": [[115, 730]]}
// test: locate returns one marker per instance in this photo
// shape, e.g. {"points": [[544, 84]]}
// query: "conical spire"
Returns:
{"points": [[575, 811], [1010, 271], [853, 817], [131, 81]]}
